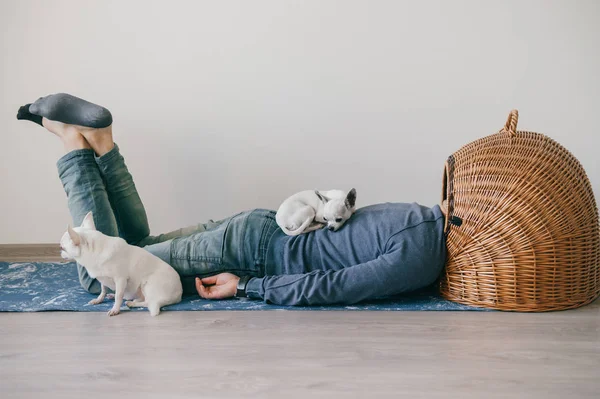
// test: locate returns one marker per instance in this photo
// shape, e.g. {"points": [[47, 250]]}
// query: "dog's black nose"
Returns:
{"points": [[331, 228]]}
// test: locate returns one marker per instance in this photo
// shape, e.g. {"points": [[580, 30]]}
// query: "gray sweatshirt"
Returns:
{"points": [[382, 250]]}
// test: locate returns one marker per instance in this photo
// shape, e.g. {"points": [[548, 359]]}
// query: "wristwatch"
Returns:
{"points": [[241, 287]]}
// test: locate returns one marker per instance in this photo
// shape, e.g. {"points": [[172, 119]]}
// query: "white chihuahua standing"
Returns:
{"points": [[131, 272], [311, 210]]}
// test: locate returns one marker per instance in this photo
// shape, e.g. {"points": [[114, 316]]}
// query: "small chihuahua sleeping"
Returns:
{"points": [[131, 272], [311, 210]]}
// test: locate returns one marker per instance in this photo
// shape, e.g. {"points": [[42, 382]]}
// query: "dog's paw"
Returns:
{"points": [[114, 312], [95, 301], [110, 296], [130, 304]]}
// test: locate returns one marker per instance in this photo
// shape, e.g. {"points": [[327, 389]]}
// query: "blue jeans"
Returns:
{"points": [[104, 186]]}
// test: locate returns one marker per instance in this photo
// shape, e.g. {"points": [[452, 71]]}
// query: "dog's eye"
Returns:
{"points": [[324, 218], [338, 220]]}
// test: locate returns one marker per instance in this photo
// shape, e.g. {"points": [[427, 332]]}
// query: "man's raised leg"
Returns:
{"points": [[81, 180], [94, 123]]}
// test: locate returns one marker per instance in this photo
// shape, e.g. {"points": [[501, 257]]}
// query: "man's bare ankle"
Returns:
{"points": [[100, 140], [73, 142], [104, 149]]}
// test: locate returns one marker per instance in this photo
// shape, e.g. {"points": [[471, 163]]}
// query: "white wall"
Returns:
{"points": [[222, 106]]}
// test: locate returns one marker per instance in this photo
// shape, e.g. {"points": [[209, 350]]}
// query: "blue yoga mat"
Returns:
{"points": [[36, 287]]}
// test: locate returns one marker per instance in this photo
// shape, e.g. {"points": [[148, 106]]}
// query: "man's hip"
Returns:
{"points": [[237, 245]]}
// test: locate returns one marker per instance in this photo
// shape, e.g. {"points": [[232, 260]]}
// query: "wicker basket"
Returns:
{"points": [[522, 226]]}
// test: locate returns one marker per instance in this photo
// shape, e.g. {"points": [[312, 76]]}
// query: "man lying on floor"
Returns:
{"points": [[381, 250]]}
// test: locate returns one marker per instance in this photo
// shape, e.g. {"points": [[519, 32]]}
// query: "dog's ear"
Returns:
{"points": [[88, 222], [351, 199], [74, 236], [323, 198]]}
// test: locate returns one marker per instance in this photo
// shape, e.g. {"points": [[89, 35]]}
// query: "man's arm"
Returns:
{"points": [[379, 277], [391, 273], [412, 260]]}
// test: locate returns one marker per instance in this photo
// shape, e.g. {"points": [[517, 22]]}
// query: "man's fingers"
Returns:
{"points": [[209, 280], [206, 292], [201, 288], [224, 290]]}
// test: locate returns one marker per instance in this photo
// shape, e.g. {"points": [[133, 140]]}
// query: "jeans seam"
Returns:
{"points": [[241, 251], [63, 163], [261, 245], [267, 249], [93, 199], [265, 240], [208, 259]]}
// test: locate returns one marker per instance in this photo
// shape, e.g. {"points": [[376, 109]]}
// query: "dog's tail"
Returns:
{"points": [[299, 230]]}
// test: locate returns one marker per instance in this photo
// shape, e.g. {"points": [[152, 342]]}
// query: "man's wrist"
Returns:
{"points": [[241, 287]]}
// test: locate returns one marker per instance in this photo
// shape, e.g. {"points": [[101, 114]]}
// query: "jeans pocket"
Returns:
{"points": [[244, 242], [205, 246], [232, 246]]}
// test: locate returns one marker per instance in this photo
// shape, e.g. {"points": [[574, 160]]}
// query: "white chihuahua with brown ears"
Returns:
{"points": [[312, 210], [131, 272]]}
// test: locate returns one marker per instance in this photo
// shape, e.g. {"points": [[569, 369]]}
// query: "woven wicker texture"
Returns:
{"points": [[522, 230]]}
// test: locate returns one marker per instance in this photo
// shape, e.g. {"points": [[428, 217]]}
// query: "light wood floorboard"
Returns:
{"points": [[302, 354], [297, 354], [30, 253]]}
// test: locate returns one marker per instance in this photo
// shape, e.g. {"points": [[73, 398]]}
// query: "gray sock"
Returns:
{"points": [[68, 109]]}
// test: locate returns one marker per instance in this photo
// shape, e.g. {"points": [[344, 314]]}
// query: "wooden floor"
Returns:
{"points": [[275, 354]]}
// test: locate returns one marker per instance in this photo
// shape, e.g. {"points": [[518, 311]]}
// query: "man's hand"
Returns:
{"points": [[221, 286]]}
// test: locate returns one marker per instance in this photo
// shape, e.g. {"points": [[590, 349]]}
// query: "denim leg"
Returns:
{"points": [[183, 232], [85, 191], [236, 245], [161, 245], [127, 206]]}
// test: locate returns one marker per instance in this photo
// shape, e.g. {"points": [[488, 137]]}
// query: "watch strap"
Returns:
{"points": [[241, 287]]}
